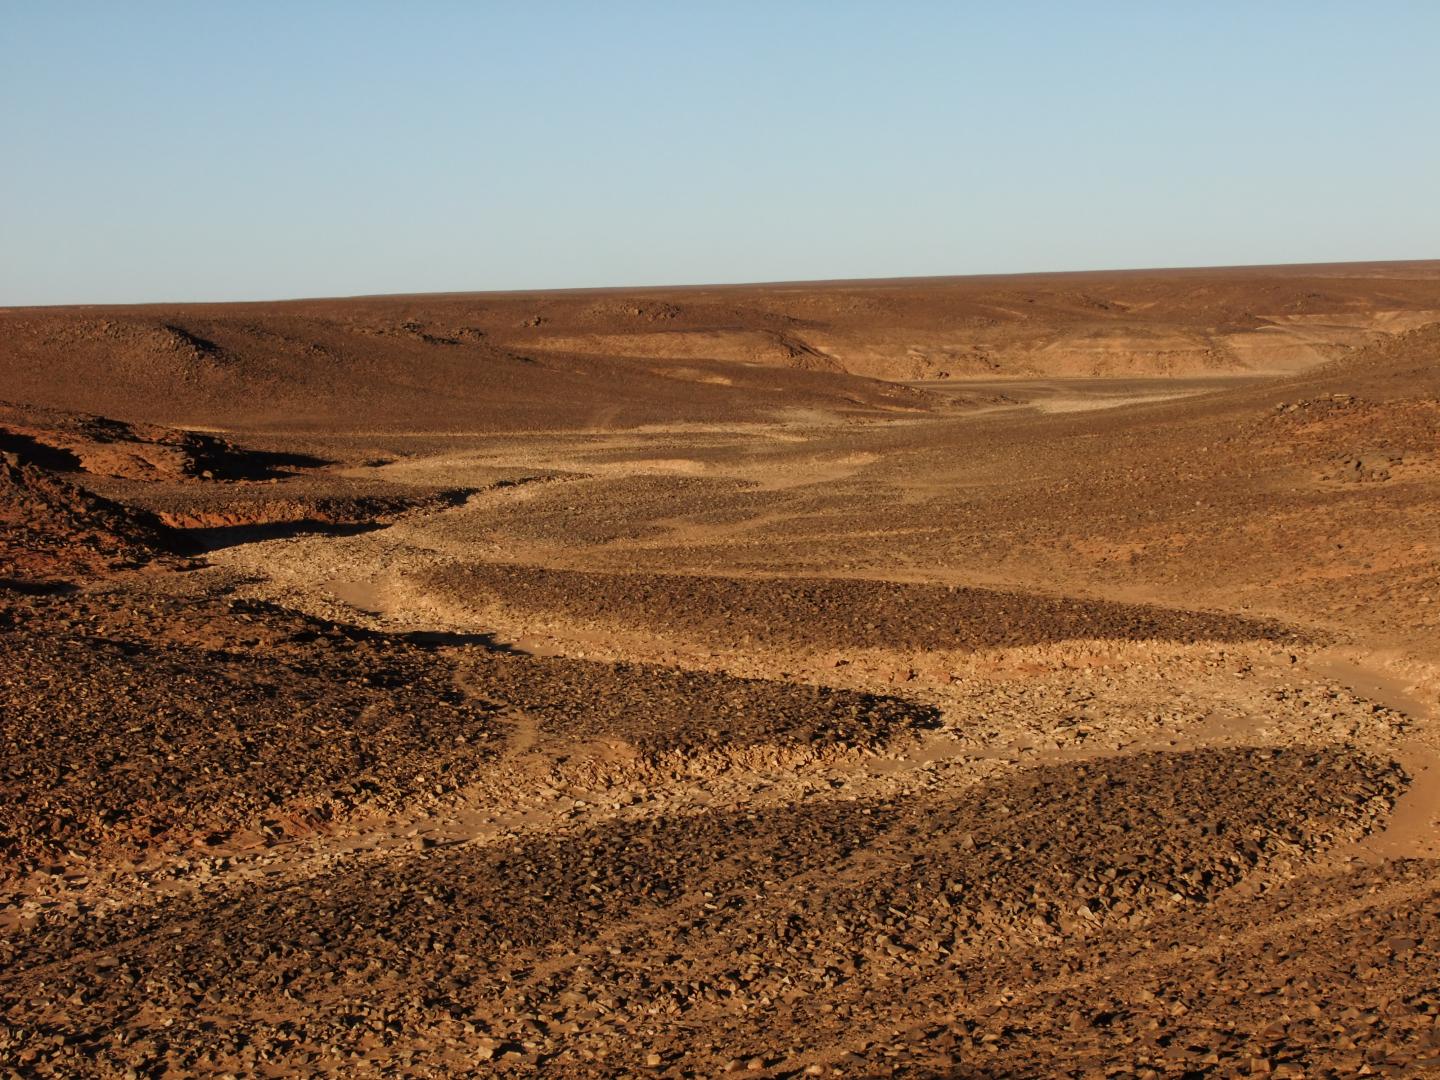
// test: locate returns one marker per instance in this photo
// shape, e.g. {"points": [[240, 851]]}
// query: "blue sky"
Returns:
{"points": [[185, 150]]}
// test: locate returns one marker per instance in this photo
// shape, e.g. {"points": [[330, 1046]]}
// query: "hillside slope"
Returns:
{"points": [[605, 359]]}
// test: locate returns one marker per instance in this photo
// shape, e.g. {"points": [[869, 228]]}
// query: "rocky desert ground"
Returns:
{"points": [[974, 677]]}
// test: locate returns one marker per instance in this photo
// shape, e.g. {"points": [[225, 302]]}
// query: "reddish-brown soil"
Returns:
{"points": [[637, 683]]}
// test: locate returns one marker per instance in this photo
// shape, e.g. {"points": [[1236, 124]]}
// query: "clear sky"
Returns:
{"points": [[177, 150]]}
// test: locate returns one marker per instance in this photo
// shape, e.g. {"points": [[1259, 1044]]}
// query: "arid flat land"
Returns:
{"points": [[975, 677]]}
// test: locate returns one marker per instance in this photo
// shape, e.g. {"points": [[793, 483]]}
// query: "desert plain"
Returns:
{"points": [[1027, 676]]}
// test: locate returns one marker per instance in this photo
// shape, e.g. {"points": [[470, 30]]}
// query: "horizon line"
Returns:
{"points": [[746, 284]]}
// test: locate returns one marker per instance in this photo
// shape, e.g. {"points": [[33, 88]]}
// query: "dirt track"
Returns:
{"points": [[1030, 729]]}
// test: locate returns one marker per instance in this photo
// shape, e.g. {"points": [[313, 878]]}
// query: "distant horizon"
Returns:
{"points": [[756, 284], [180, 153]]}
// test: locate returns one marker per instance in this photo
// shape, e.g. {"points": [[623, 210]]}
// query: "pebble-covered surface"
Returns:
{"points": [[830, 612], [114, 739], [660, 710], [996, 743], [700, 937]]}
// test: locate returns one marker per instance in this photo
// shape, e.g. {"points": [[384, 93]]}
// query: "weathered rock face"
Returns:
{"points": [[52, 529], [102, 446]]}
